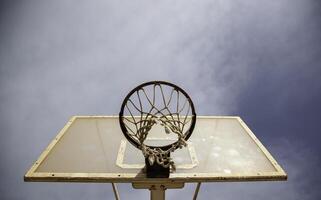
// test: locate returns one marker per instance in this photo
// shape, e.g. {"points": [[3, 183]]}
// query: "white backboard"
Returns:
{"points": [[93, 149]]}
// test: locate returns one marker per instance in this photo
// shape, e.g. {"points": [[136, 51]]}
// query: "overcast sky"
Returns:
{"points": [[260, 60]]}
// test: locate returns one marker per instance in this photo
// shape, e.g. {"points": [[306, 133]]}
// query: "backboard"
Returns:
{"points": [[94, 149]]}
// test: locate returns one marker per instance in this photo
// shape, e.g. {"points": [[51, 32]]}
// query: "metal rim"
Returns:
{"points": [[187, 134]]}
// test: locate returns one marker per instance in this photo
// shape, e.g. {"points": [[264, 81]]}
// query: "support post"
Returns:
{"points": [[157, 190], [157, 193], [197, 190], [115, 191]]}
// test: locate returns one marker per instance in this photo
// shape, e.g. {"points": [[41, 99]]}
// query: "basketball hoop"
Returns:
{"points": [[140, 111]]}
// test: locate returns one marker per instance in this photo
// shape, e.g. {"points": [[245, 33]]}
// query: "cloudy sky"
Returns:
{"points": [[257, 59]]}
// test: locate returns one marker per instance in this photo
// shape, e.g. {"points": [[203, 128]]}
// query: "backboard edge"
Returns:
{"points": [[263, 149], [44, 154]]}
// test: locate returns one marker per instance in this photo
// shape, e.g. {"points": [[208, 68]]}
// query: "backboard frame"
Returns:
{"points": [[33, 176]]}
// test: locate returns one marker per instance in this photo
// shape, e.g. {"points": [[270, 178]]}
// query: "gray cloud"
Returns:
{"points": [[257, 59]]}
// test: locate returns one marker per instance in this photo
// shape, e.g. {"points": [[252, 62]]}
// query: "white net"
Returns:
{"points": [[158, 104]]}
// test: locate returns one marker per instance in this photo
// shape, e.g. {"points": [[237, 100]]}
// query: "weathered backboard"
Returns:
{"points": [[93, 149]]}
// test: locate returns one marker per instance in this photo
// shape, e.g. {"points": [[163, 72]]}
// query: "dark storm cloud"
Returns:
{"points": [[257, 59]]}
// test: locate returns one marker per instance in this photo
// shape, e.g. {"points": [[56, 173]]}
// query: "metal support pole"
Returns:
{"points": [[157, 193], [196, 190], [157, 190], [115, 191]]}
